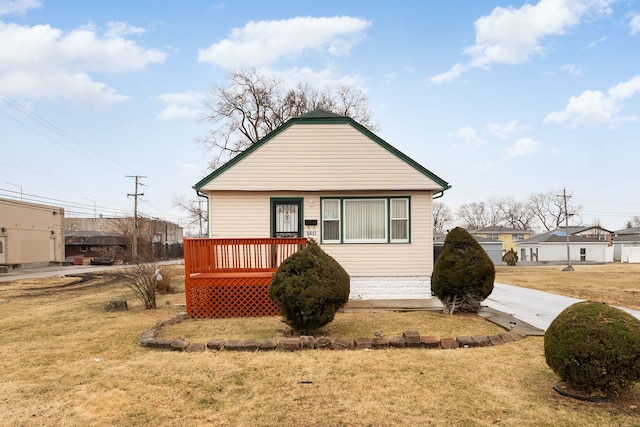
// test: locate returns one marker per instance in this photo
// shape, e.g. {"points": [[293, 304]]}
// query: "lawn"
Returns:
{"points": [[67, 362]]}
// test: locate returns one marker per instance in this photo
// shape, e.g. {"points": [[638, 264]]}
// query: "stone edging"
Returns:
{"points": [[409, 339]]}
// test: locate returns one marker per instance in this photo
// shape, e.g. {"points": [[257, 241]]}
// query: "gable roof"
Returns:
{"points": [[323, 117], [499, 229], [557, 237]]}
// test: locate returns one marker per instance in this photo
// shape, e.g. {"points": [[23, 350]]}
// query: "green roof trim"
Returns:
{"points": [[323, 117]]}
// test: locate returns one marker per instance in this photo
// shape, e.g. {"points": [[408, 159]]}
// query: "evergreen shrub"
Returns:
{"points": [[463, 274], [594, 347], [309, 288]]}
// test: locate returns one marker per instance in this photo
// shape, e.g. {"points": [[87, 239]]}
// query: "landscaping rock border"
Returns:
{"points": [[409, 339]]}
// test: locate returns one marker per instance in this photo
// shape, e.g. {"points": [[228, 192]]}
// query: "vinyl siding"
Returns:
{"points": [[321, 157], [247, 214]]}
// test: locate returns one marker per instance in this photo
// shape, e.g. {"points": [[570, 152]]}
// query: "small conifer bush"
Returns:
{"points": [[594, 348], [309, 288], [463, 274], [510, 257]]}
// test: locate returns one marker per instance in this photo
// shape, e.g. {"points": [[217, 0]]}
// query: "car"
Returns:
{"points": [[102, 261]]}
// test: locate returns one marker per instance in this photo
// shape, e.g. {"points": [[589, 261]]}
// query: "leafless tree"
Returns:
{"points": [[253, 104], [549, 210], [196, 209], [514, 214], [633, 222], [475, 215], [442, 217]]}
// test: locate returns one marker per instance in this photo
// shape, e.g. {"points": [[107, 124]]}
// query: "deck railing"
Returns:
{"points": [[231, 277]]}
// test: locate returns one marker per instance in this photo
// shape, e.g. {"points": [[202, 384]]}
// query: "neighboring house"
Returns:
{"points": [[551, 247], [626, 245], [590, 231], [493, 248], [162, 239], [94, 244], [326, 177], [31, 234], [508, 236]]}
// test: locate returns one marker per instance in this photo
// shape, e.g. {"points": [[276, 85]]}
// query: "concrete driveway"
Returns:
{"points": [[536, 308]]}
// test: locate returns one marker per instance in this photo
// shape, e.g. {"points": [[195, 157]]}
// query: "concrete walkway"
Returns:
{"points": [[509, 306]]}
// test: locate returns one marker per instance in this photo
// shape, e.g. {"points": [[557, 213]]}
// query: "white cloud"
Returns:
{"points": [[260, 43], [512, 36], [572, 69], [470, 136], [181, 105], [593, 107], [635, 25], [523, 147], [17, 7], [504, 130], [43, 62]]}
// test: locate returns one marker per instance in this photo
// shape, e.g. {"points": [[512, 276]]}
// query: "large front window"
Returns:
{"points": [[365, 220]]}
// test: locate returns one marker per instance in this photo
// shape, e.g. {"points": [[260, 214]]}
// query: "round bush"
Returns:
{"points": [[594, 347], [309, 288], [463, 274]]}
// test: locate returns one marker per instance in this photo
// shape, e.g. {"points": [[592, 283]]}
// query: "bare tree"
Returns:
{"points": [[442, 217], [474, 215], [549, 210], [633, 222], [253, 104], [514, 214], [196, 209]]}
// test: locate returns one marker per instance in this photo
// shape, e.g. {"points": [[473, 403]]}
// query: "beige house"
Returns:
{"points": [[31, 234], [328, 178]]}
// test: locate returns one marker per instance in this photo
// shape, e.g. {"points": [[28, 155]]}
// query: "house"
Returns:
{"points": [[508, 236], [590, 231], [626, 245], [551, 247], [157, 239], [31, 234], [85, 245], [326, 177]]}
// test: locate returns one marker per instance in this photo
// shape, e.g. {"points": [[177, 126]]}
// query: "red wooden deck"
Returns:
{"points": [[231, 277]]}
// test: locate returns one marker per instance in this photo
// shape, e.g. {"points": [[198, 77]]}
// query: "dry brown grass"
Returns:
{"points": [[616, 284], [64, 361]]}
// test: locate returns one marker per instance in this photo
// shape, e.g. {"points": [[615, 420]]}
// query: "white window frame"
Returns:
{"points": [[388, 220], [393, 239]]}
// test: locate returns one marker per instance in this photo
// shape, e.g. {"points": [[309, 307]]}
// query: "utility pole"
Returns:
{"points": [[566, 226], [135, 195]]}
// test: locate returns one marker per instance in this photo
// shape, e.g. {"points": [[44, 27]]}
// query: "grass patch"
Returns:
{"points": [[67, 362]]}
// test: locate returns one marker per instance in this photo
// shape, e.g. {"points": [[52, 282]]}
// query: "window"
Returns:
{"points": [[1, 247], [331, 221], [493, 236], [399, 220], [517, 236], [360, 220]]}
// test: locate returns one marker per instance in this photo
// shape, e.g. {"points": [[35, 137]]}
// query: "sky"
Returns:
{"points": [[498, 98]]}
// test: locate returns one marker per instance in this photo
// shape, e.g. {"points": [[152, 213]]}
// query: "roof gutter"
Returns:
{"points": [[438, 195]]}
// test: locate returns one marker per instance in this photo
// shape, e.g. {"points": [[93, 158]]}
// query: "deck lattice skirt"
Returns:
{"points": [[229, 297]]}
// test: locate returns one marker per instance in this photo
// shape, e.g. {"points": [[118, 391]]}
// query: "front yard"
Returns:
{"points": [[67, 362]]}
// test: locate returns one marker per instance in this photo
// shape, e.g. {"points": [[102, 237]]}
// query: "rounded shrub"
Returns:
{"points": [[309, 288], [510, 257], [463, 274], [594, 347]]}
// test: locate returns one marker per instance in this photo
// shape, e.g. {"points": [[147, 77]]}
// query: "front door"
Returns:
{"points": [[286, 218]]}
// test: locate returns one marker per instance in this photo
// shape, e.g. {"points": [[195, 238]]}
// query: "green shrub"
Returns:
{"points": [[463, 274], [594, 347], [510, 257], [309, 288]]}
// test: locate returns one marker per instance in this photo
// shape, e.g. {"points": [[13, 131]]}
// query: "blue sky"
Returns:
{"points": [[500, 99]]}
